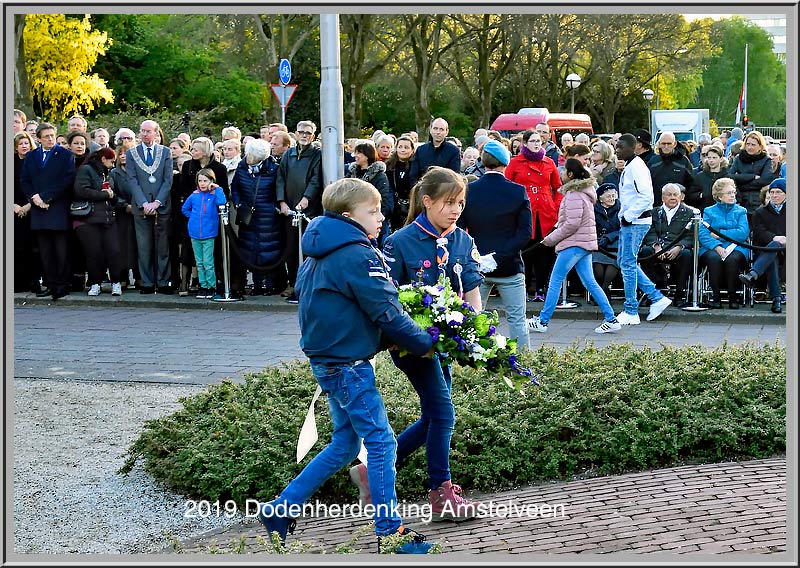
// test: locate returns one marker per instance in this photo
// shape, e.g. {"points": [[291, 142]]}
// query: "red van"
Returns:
{"points": [[559, 122]]}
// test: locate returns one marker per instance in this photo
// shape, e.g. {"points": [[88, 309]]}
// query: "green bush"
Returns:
{"points": [[597, 411]]}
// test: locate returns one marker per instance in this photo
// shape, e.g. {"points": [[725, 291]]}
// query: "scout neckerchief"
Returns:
{"points": [[442, 254]]}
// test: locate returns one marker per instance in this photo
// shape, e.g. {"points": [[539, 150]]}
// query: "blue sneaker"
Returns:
{"points": [[274, 523], [404, 541]]}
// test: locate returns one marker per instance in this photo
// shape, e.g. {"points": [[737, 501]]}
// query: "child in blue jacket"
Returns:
{"points": [[201, 207], [348, 312]]}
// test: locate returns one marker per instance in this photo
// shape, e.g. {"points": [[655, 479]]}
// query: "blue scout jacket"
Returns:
{"points": [[411, 249], [201, 209], [347, 302]]}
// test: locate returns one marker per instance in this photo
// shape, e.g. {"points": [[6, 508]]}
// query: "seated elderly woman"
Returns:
{"points": [[723, 258]]}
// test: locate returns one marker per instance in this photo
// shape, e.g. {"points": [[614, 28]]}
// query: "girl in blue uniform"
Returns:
{"points": [[429, 244]]}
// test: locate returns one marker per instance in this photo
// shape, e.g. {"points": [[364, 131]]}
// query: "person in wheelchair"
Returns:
{"points": [[723, 258], [769, 230], [658, 254]]}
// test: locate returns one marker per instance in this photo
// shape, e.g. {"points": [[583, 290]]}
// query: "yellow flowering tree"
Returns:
{"points": [[60, 53]]}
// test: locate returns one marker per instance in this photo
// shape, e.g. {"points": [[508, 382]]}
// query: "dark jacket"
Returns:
{"points": [[399, 182], [188, 178], [89, 186], [670, 168], [662, 233], [446, 155], [262, 241], [498, 216], [607, 222], [347, 302], [699, 194], [121, 186], [744, 170], [551, 151], [53, 182], [301, 176], [768, 224]]}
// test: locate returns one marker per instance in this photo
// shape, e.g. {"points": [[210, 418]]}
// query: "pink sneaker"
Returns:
{"points": [[358, 475], [447, 504]]}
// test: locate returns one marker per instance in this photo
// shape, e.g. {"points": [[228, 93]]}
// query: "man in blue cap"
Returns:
{"points": [[498, 216], [769, 230]]}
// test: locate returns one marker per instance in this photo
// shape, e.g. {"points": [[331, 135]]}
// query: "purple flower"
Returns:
{"points": [[427, 300], [464, 306], [492, 331], [434, 333], [442, 309]]}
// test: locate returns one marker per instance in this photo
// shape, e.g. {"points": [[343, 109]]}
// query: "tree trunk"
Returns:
{"points": [[22, 90]]}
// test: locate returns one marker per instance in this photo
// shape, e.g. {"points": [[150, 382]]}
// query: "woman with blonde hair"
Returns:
{"points": [[602, 161], [751, 169]]}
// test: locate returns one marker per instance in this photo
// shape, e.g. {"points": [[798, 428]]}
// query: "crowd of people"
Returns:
{"points": [[135, 234]]}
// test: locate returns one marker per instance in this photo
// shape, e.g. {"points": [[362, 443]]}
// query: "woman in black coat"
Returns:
{"points": [[715, 166], [126, 235], [367, 167], [606, 218], [27, 264], [397, 169], [261, 241], [97, 232], [751, 170]]}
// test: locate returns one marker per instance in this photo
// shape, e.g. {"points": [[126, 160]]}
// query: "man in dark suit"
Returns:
{"points": [[669, 166], [47, 175], [498, 216], [437, 152], [149, 170], [669, 219]]}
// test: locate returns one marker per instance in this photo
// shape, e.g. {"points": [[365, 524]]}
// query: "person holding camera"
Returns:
{"points": [[201, 207]]}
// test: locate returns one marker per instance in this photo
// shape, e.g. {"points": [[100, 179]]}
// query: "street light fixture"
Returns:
{"points": [[573, 82], [648, 96]]}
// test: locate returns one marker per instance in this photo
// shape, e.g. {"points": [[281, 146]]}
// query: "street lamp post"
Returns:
{"points": [[648, 96], [573, 82]]}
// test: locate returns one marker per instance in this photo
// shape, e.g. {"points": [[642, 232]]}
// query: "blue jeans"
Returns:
{"points": [[633, 277], [434, 428], [581, 259], [357, 412], [204, 258], [512, 293], [767, 263]]}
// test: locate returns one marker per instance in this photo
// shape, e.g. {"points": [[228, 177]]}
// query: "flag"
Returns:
{"points": [[740, 108]]}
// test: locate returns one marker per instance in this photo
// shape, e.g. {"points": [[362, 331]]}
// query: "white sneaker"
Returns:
{"points": [[624, 318], [116, 289], [658, 308], [608, 326], [535, 325], [94, 290]]}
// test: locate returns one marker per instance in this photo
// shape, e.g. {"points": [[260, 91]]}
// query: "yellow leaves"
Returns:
{"points": [[59, 55]]}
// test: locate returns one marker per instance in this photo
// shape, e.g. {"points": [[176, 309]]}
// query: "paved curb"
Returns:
{"points": [[759, 314], [725, 508]]}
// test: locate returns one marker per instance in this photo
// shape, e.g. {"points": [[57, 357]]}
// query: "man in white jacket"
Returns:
{"points": [[636, 204]]}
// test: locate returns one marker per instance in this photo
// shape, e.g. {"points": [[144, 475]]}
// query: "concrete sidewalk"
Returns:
{"points": [[730, 509]]}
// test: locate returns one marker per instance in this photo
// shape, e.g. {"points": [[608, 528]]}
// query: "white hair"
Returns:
{"points": [[258, 149], [124, 132]]}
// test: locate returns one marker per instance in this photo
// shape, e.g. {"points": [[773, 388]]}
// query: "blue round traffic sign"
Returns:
{"points": [[285, 71]]}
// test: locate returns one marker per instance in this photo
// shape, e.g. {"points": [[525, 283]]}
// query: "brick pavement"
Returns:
{"points": [[733, 508]]}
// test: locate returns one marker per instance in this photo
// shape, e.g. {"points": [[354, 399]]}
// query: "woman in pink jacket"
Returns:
{"points": [[575, 238], [539, 175]]}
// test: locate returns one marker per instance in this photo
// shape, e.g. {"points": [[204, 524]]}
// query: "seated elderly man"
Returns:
{"points": [[669, 220]]}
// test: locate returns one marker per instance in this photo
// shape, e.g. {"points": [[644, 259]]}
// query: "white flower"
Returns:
{"points": [[455, 318], [432, 290], [500, 340]]}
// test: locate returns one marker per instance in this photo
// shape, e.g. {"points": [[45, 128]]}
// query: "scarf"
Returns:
{"points": [[442, 254], [532, 156]]}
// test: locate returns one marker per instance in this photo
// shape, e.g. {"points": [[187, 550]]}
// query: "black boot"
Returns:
{"points": [[776, 306]]}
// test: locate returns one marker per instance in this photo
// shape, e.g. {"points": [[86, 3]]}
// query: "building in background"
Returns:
{"points": [[775, 25]]}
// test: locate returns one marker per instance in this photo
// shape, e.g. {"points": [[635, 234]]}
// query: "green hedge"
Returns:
{"points": [[597, 411]]}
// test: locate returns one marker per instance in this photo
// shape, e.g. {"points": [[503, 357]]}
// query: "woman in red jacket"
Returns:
{"points": [[539, 175]]}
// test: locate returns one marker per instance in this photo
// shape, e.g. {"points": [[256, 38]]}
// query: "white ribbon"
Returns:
{"points": [[309, 435]]}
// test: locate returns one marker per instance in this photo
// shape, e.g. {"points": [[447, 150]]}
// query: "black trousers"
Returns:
{"points": [[54, 251], [152, 244], [292, 250], [681, 269], [102, 251], [724, 272]]}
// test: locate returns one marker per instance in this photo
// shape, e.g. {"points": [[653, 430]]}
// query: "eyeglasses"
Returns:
{"points": [[126, 137], [729, 192], [534, 141], [704, 153], [304, 133]]}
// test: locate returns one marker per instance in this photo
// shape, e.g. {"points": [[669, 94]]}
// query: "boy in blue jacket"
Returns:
{"points": [[347, 304], [201, 207]]}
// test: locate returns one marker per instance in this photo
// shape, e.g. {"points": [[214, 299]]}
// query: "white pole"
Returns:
{"points": [[331, 100], [744, 96]]}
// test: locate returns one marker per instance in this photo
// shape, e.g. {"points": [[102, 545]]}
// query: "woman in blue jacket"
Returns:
{"points": [[724, 259], [431, 244], [261, 238]]}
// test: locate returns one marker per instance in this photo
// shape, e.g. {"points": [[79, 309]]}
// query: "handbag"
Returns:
{"points": [[80, 208], [244, 214]]}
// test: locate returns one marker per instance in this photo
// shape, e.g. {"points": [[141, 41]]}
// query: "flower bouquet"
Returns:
{"points": [[463, 335]]}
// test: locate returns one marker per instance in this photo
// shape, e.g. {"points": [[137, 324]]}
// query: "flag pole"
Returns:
{"points": [[744, 95]]}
